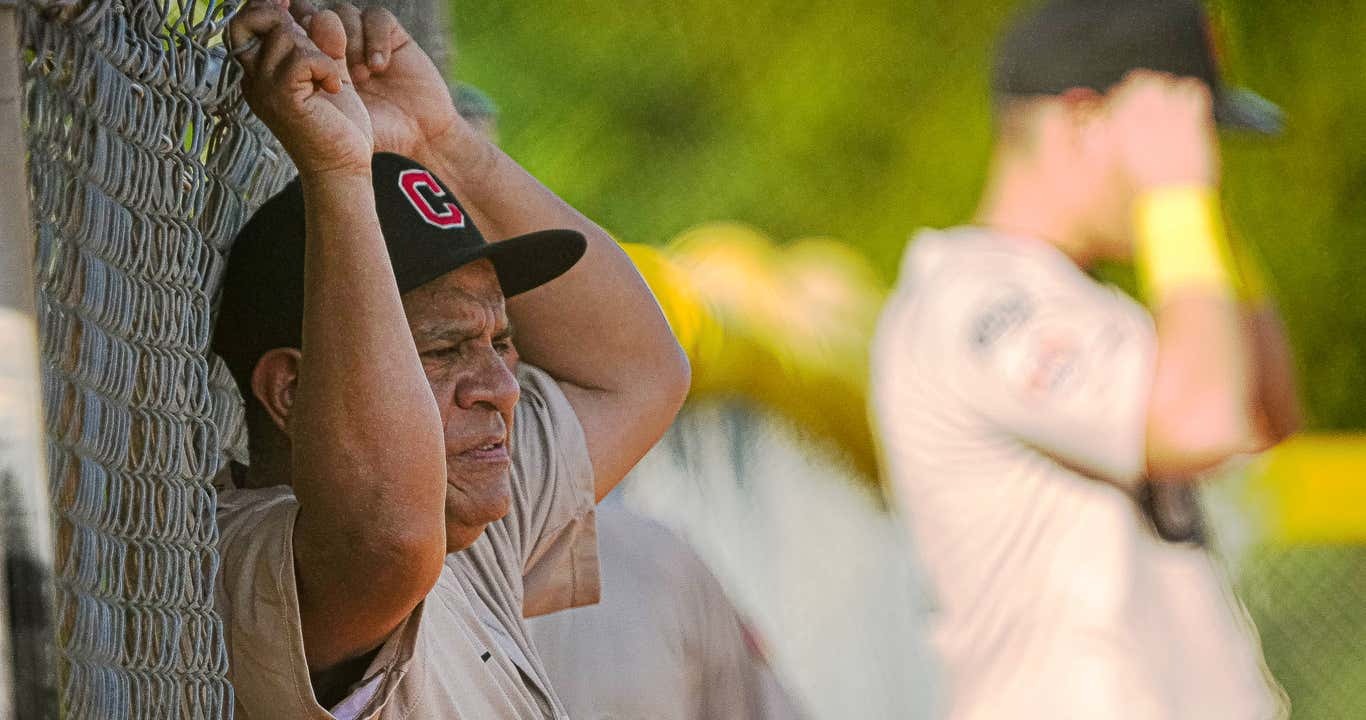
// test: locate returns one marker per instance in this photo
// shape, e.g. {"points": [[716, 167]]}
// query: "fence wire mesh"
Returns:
{"points": [[143, 163], [1307, 603]]}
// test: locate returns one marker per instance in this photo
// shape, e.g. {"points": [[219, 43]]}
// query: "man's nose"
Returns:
{"points": [[490, 382]]}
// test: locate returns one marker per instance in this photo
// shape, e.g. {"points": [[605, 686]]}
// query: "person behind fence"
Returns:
{"points": [[1043, 431], [418, 479]]}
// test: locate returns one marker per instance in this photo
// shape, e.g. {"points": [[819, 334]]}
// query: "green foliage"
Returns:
{"points": [[858, 120]]}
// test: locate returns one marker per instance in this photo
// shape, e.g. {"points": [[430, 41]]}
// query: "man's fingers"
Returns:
{"points": [[324, 71], [276, 48], [381, 36], [255, 22], [303, 11], [306, 65], [327, 32], [355, 41]]}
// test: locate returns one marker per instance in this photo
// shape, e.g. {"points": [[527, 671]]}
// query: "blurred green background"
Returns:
{"points": [[863, 120]]}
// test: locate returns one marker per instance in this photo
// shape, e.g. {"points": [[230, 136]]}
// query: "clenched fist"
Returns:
{"points": [[408, 100], [296, 81], [1164, 129]]}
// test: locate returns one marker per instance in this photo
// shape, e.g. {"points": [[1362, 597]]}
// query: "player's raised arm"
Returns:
{"points": [[1201, 408], [366, 459], [597, 330]]}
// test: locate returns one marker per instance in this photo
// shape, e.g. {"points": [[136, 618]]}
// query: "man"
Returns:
{"points": [[1042, 430], [414, 489]]}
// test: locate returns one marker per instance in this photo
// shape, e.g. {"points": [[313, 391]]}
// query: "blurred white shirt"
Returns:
{"points": [[664, 643], [1010, 392]]}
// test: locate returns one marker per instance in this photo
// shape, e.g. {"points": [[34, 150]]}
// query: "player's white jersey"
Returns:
{"points": [[1010, 391]]}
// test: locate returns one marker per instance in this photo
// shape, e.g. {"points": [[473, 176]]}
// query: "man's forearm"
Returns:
{"points": [[1199, 412], [599, 327], [368, 453], [598, 330], [365, 419], [1201, 409]]}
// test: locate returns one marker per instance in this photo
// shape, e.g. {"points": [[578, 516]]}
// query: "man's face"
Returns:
{"points": [[460, 324]]}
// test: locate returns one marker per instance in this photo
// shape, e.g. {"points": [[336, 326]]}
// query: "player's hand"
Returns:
{"points": [[296, 81], [1164, 130], [409, 103]]}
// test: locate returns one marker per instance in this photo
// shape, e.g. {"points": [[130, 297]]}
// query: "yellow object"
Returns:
{"points": [[784, 327], [696, 325], [1181, 243], [1312, 489]]}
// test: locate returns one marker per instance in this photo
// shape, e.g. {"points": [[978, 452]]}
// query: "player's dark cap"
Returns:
{"points": [[1066, 44], [427, 232]]}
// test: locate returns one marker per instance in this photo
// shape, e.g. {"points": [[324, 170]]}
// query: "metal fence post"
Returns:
{"points": [[27, 679]]}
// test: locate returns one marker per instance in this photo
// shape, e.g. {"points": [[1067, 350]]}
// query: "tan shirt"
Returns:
{"points": [[463, 653], [1010, 392], [665, 643]]}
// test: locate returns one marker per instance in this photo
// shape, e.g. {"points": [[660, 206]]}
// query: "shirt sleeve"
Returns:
{"points": [[1065, 369], [258, 600], [553, 499]]}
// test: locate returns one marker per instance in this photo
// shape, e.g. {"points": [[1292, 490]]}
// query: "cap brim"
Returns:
{"points": [[1242, 109], [529, 261]]}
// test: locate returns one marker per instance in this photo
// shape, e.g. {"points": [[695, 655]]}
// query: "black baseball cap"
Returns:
{"points": [[428, 234], [1066, 44]]}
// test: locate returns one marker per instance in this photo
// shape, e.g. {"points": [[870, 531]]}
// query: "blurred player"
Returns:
{"points": [[1042, 430]]}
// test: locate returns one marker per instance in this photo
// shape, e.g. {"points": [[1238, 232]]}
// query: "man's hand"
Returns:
{"points": [[1164, 130], [296, 81], [410, 106]]}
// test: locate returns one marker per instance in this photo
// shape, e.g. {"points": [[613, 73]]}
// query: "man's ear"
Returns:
{"points": [[273, 381]]}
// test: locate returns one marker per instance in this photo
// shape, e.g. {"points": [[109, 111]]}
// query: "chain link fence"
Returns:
{"points": [[143, 162], [1308, 603]]}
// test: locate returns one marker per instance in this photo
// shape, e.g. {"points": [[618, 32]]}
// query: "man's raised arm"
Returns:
{"points": [[597, 330], [1200, 411], [367, 456]]}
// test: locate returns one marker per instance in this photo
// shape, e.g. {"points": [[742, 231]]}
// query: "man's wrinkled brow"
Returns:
{"points": [[455, 329]]}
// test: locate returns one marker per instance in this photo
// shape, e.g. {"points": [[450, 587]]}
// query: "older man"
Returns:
{"points": [[414, 489]]}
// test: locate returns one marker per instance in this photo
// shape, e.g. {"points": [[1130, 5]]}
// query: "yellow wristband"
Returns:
{"points": [[1180, 243]]}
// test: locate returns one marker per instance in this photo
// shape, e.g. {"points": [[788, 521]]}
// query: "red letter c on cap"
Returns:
{"points": [[412, 182]]}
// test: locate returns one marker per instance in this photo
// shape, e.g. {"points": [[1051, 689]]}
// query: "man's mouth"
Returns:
{"points": [[495, 451]]}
